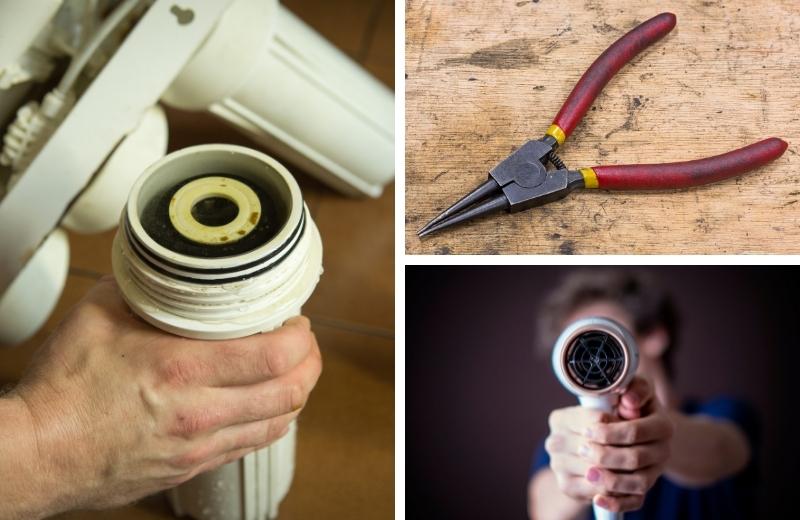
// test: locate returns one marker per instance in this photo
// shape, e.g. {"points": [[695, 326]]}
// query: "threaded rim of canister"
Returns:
{"points": [[218, 297]]}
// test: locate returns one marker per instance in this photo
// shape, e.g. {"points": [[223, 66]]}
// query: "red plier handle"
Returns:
{"points": [[684, 174], [649, 176], [603, 69]]}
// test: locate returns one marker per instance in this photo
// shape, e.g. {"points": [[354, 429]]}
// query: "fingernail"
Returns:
{"points": [[602, 502], [593, 475], [584, 451]]}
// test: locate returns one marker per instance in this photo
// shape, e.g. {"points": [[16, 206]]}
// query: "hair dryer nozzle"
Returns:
{"points": [[595, 357]]}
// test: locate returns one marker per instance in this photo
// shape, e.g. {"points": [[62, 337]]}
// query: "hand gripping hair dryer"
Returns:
{"points": [[595, 359]]}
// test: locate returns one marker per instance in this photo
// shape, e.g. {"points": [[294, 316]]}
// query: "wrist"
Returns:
{"points": [[50, 431], [23, 493]]}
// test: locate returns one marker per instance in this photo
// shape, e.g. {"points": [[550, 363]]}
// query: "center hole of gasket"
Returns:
{"points": [[215, 211]]}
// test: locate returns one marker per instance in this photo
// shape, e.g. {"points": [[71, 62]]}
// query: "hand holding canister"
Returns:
{"points": [[595, 455]]}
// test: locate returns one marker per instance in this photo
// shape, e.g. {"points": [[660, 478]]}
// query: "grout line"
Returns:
{"points": [[357, 328], [85, 273], [368, 37]]}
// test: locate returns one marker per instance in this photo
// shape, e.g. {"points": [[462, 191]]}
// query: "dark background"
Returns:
{"points": [[478, 393]]}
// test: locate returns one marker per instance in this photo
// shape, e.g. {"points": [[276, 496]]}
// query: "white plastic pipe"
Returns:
{"points": [[21, 22], [33, 295], [267, 72]]}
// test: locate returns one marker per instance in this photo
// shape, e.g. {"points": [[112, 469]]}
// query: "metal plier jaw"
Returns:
{"points": [[525, 181], [522, 180], [518, 182]]}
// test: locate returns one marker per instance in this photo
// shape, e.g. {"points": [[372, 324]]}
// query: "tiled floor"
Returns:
{"points": [[345, 463]]}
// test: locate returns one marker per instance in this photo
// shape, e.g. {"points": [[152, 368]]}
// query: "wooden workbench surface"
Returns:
{"points": [[485, 76]]}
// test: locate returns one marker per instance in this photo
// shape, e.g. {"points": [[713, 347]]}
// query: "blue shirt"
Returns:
{"points": [[730, 499]]}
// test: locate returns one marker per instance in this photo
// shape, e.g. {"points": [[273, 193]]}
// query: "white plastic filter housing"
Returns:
{"points": [[223, 297], [97, 208], [267, 72], [251, 488], [33, 294], [604, 399]]}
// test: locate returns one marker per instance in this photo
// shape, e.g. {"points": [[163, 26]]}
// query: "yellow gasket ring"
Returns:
{"points": [[246, 200]]}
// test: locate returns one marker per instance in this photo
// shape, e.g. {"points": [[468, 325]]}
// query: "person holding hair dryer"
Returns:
{"points": [[656, 456]]}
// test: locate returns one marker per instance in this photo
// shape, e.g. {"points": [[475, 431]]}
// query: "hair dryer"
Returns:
{"points": [[595, 359]]}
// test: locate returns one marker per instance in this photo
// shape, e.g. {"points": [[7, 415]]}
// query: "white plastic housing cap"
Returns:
{"points": [[622, 337], [33, 294], [98, 207]]}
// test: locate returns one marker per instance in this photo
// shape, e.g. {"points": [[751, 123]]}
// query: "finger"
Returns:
{"points": [[210, 409], [619, 503], [635, 431], [576, 419], [637, 395], [255, 358], [629, 413], [200, 451], [105, 299], [299, 320], [221, 460], [628, 458], [635, 483], [566, 443], [285, 394], [106, 290], [246, 436], [568, 465], [252, 434], [230, 456], [576, 487]]}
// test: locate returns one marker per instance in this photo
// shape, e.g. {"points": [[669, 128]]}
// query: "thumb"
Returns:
{"points": [[635, 398]]}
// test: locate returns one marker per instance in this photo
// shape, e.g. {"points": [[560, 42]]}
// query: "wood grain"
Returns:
{"points": [[484, 77]]}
